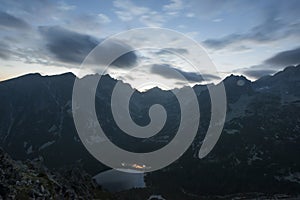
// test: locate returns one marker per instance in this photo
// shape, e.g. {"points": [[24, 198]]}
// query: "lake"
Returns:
{"points": [[116, 181]]}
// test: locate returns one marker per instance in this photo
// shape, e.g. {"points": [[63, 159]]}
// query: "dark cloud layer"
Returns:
{"points": [[4, 51], [68, 46], [10, 21], [3, 54], [167, 71], [273, 64], [285, 58], [258, 73], [173, 50], [72, 47]]}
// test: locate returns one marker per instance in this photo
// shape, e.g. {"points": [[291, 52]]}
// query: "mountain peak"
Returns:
{"points": [[238, 80], [232, 76], [64, 74]]}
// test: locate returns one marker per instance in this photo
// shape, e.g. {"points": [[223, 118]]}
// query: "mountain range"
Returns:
{"points": [[258, 150]]}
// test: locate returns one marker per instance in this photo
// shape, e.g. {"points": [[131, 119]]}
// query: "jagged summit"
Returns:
{"points": [[240, 80]]}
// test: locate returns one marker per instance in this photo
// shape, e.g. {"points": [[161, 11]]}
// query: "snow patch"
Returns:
{"points": [[255, 155], [292, 177], [231, 131], [47, 144], [94, 139], [25, 144], [52, 129], [29, 150], [76, 139]]}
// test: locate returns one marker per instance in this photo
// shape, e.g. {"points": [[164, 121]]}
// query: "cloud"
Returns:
{"points": [[127, 11], [14, 48], [10, 21], [222, 42], [273, 64], [104, 19], [4, 54], [173, 50], [169, 72], [258, 73], [173, 7], [208, 9], [285, 58], [65, 7], [37, 8], [4, 51], [190, 15], [72, 47], [67, 46], [152, 19], [217, 20], [88, 23], [271, 29]]}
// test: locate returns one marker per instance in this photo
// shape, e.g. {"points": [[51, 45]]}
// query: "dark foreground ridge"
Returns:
{"points": [[32, 180]]}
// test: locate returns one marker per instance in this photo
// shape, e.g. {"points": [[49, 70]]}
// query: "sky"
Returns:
{"points": [[250, 38]]}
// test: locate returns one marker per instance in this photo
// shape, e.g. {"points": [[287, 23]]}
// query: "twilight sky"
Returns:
{"points": [[253, 38]]}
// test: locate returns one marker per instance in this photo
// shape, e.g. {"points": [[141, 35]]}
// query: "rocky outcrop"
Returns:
{"points": [[31, 180]]}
